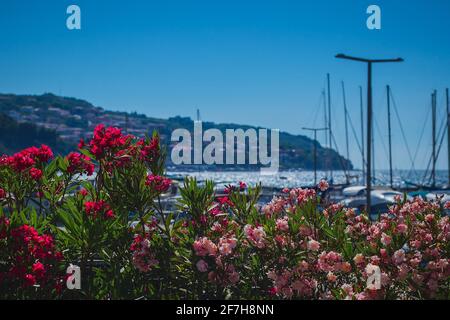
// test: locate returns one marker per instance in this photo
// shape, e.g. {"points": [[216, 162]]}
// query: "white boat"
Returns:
{"points": [[443, 195], [381, 199]]}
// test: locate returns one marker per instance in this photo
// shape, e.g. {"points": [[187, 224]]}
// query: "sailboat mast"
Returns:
{"points": [[433, 111], [346, 120], [373, 154], [325, 117], [448, 133], [361, 105], [388, 90], [329, 125]]}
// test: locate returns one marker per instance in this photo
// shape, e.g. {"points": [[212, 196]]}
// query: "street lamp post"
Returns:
{"points": [[369, 117], [315, 149]]}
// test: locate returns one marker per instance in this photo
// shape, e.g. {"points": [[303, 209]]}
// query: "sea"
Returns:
{"points": [[305, 178]]}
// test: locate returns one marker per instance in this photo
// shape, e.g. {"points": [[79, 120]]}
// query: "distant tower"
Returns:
{"points": [[198, 115]]}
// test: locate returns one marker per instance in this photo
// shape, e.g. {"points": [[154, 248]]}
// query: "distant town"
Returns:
{"points": [[70, 119]]}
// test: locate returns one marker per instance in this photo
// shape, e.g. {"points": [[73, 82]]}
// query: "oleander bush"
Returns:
{"points": [[127, 247]]}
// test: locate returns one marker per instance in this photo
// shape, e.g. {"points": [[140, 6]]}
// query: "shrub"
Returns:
{"points": [[295, 247]]}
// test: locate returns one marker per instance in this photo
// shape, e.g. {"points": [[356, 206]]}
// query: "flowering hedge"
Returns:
{"points": [[295, 247]]}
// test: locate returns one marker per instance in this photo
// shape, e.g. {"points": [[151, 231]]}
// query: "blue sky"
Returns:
{"points": [[250, 62]]}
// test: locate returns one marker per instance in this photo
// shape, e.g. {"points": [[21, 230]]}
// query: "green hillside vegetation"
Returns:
{"points": [[16, 136], [62, 121]]}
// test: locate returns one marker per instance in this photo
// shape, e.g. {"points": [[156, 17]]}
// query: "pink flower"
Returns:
{"points": [[2, 194], [323, 185], [447, 205], [282, 224], [359, 259], [143, 257], [203, 247], [346, 267], [348, 289], [330, 261], [428, 238], [256, 236], [233, 276], [202, 266], [398, 257], [416, 244], [385, 239], [226, 245], [331, 277], [349, 212], [402, 228], [303, 266], [362, 296], [313, 245]]}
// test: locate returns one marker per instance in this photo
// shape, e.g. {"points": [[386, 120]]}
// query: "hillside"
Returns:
{"points": [[62, 121], [15, 136]]}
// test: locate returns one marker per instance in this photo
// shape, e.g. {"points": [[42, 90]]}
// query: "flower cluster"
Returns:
{"points": [[323, 185], [203, 247], [255, 235], [33, 260], [149, 151], [217, 259], [158, 183], [297, 246], [106, 141], [79, 163], [99, 208], [29, 160], [143, 257]]}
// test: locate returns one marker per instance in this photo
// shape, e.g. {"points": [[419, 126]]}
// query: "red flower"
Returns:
{"points": [[20, 161], [44, 154], [30, 280], [215, 211], [225, 201], [33, 257], [83, 192], [149, 152], [38, 269], [273, 291], [27, 158], [81, 144], [158, 183], [79, 163], [447, 205], [35, 174], [106, 141], [230, 188], [109, 214], [2, 194], [99, 208]]}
